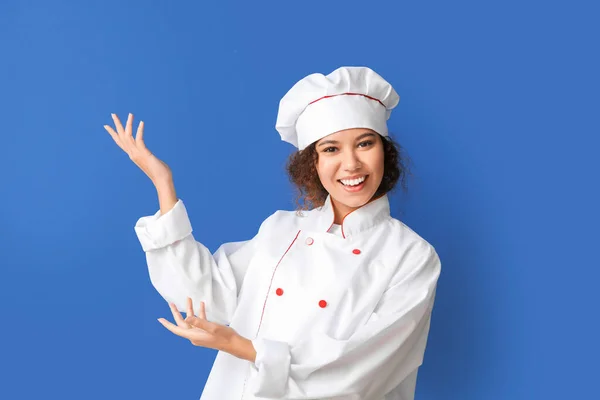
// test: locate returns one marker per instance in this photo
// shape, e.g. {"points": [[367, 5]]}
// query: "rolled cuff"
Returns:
{"points": [[272, 363], [157, 231]]}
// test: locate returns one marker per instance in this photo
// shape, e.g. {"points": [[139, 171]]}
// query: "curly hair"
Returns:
{"points": [[302, 171]]}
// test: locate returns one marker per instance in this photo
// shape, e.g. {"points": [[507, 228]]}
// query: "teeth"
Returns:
{"points": [[353, 182]]}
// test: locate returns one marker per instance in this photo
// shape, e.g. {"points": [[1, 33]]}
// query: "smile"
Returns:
{"points": [[353, 182]]}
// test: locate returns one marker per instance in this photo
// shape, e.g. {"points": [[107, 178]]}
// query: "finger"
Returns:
{"points": [[190, 308], [178, 318], [139, 135], [117, 124], [115, 136], [128, 135], [129, 125], [202, 313], [185, 333]]}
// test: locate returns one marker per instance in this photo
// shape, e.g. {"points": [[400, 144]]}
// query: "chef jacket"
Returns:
{"points": [[341, 317]]}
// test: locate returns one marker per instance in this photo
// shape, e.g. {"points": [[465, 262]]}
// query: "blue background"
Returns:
{"points": [[499, 113]]}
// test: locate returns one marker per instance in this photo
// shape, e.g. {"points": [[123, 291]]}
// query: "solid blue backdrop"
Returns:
{"points": [[498, 112]]}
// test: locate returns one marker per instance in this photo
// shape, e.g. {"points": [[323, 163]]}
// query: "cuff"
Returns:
{"points": [[273, 366], [156, 231]]}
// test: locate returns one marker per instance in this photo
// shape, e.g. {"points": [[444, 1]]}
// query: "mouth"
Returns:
{"points": [[354, 185]]}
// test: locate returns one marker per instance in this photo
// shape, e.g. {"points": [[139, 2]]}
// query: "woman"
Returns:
{"points": [[330, 303]]}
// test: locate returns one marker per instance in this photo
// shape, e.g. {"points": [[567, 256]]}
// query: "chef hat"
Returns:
{"points": [[349, 97]]}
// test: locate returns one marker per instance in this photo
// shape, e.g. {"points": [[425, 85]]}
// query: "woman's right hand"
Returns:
{"points": [[155, 169]]}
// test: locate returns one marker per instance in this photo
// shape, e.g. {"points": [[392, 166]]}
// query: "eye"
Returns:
{"points": [[366, 143], [329, 149]]}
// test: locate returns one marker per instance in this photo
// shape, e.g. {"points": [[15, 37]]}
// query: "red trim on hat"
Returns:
{"points": [[349, 94]]}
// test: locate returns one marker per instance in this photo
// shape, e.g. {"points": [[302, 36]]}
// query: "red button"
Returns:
{"points": [[279, 291], [322, 304], [356, 251], [309, 241]]}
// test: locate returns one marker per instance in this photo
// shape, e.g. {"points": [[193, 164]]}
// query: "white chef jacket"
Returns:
{"points": [[341, 317]]}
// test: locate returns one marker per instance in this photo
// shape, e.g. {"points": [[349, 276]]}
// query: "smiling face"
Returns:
{"points": [[350, 165]]}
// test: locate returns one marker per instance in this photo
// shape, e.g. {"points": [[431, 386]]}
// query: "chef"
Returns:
{"points": [[333, 302]]}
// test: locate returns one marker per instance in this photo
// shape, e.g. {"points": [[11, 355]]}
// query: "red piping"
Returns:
{"points": [[349, 94], [270, 283], [342, 224], [265, 304]]}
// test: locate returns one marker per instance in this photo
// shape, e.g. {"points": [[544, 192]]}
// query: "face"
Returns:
{"points": [[350, 167]]}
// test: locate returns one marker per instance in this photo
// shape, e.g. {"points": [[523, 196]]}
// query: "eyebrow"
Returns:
{"points": [[364, 135]]}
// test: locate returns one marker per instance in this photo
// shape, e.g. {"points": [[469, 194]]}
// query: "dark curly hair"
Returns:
{"points": [[302, 170]]}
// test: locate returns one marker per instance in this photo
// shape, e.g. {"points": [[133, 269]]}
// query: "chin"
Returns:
{"points": [[353, 200], [355, 194]]}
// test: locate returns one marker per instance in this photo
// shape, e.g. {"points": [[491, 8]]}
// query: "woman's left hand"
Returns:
{"points": [[202, 332]]}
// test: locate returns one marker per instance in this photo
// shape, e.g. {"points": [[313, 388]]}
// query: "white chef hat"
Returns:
{"points": [[349, 97]]}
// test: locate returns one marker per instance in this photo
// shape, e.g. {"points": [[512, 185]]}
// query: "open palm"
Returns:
{"points": [[199, 330], [136, 149]]}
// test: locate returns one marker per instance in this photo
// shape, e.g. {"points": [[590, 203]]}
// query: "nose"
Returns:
{"points": [[351, 161]]}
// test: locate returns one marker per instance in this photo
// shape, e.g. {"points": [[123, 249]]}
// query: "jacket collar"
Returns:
{"points": [[359, 220]]}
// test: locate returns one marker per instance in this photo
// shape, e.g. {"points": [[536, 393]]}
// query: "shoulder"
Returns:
{"points": [[409, 237], [410, 248]]}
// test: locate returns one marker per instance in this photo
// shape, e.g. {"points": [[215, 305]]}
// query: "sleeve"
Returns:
{"points": [[373, 361], [181, 267]]}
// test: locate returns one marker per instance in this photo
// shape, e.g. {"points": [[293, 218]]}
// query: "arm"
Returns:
{"points": [[181, 267], [374, 360], [167, 197]]}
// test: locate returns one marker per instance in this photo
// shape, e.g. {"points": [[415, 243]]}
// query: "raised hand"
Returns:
{"points": [[137, 151]]}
